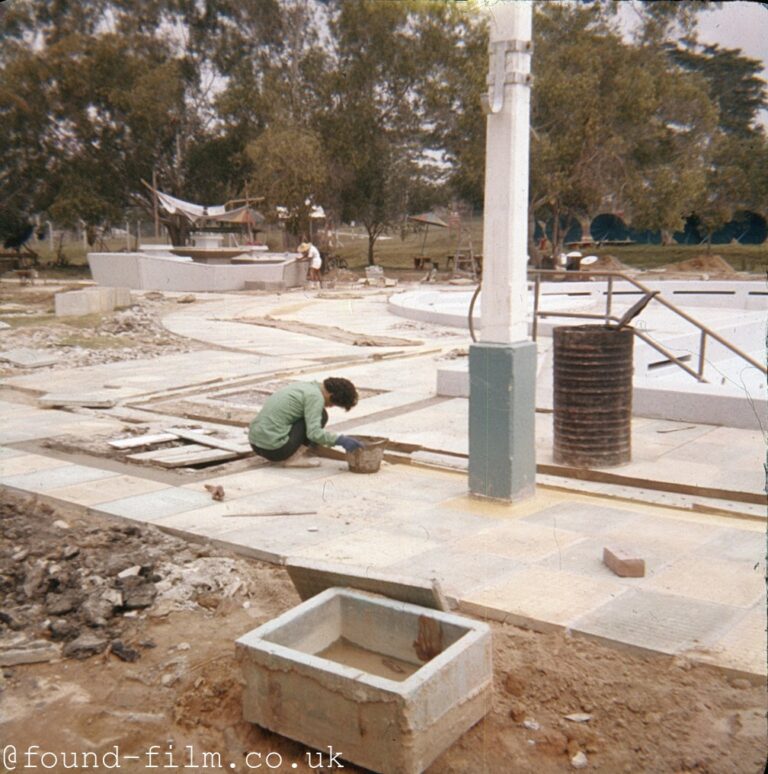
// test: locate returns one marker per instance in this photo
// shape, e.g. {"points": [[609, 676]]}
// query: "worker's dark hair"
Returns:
{"points": [[342, 391]]}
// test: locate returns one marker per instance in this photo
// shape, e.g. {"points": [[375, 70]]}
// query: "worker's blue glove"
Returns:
{"points": [[349, 443]]}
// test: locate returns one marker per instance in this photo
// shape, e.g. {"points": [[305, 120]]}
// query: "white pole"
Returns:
{"points": [[505, 240]]}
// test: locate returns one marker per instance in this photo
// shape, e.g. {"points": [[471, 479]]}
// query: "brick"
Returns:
{"points": [[623, 563]]}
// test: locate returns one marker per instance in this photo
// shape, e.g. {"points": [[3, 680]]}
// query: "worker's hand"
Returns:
{"points": [[349, 443]]}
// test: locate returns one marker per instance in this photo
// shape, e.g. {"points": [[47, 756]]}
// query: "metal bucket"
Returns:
{"points": [[592, 395], [368, 459]]}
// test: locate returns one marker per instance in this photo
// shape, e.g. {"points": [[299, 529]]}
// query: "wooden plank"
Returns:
{"points": [[230, 445], [181, 456], [148, 439], [199, 458], [272, 513], [176, 451], [87, 401]]}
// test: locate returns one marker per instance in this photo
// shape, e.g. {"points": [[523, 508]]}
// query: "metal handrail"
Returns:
{"points": [[609, 318]]}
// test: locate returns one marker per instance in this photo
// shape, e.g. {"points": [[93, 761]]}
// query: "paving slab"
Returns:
{"points": [[106, 490], [152, 506], [574, 516], [242, 484], [661, 535], [274, 539], [29, 463], [518, 540], [657, 622], [711, 580], [747, 547], [742, 647], [6, 453], [586, 558], [436, 523], [542, 599], [368, 547], [459, 573], [65, 475], [28, 358], [126, 379]]}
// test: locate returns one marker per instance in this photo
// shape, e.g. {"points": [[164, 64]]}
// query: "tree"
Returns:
{"points": [[106, 100], [290, 170], [371, 116], [733, 81]]}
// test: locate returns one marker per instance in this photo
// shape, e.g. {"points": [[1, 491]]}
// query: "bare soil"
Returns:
{"points": [[172, 681], [712, 265]]}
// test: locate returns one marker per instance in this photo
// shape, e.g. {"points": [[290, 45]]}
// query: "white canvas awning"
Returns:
{"points": [[193, 212]]}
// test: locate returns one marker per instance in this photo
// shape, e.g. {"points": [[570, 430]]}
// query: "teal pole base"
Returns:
{"points": [[502, 406]]}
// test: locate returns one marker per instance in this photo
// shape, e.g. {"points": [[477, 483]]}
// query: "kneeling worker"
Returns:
{"points": [[294, 417]]}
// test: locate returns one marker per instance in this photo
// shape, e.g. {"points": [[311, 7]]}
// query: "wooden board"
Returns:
{"points": [[182, 456], [231, 445], [149, 439]]}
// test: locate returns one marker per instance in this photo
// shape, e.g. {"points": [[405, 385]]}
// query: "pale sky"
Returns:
{"points": [[736, 24], [739, 24]]}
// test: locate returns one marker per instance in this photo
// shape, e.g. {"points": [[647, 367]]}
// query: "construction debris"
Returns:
{"points": [[69, 400], [197, 447], [216, 490]]}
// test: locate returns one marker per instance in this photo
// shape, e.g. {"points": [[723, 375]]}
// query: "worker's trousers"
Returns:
{"points": [[296, 437]]}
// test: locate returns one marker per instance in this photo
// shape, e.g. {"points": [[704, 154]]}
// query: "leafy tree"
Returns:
{"points": [[733, 81], [371, 116], [290, 170]]}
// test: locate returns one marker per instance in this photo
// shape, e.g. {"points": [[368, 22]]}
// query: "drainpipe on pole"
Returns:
{"points": [[502, 366]]}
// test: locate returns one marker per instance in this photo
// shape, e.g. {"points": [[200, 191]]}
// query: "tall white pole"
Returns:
{"points": [[505, 233], [502, 365]]}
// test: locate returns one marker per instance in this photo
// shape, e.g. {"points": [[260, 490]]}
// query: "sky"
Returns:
{"points": [[736, 24], [739, 24]]}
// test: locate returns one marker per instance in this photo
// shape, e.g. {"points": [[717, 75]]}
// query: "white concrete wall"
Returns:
{"points": [[171, 273]]}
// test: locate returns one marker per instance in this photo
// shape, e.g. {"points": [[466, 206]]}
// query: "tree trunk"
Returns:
{"points": [[586, 224], [178, 230], [533, 248], [371, 242]]}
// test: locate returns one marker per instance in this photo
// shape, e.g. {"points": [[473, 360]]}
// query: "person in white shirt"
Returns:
{"points": [[309, 251]]}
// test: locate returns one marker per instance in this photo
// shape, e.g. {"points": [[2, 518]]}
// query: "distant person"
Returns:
{"points": [[293, 418], [308, 250]]}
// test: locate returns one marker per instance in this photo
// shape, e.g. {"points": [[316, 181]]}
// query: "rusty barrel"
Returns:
{"points": [[592, 395]]}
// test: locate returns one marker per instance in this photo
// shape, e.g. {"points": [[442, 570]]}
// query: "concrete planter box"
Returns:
{"points": [[388, 685]]}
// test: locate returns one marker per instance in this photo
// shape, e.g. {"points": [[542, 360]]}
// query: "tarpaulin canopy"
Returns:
{"points": [[241, 215], [193, 212], [429, 219], [218, 213]]}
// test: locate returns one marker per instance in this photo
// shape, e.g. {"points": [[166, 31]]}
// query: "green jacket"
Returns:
{"points": [[270, 428]]}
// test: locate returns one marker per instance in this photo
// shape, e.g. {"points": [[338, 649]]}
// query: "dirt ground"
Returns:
{"points": [[159, 617]]}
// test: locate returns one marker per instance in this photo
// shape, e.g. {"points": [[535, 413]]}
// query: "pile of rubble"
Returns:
{"points": [[70, 588], [129, 334]]}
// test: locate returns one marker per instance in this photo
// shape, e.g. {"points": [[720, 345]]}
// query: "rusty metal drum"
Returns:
{"points": [[592, 396]]}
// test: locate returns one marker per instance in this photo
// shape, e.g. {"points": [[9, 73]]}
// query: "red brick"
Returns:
{"points": [[624, 563]]}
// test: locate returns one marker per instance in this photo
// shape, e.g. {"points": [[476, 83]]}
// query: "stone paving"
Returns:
{"points": [[536, 563]]}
